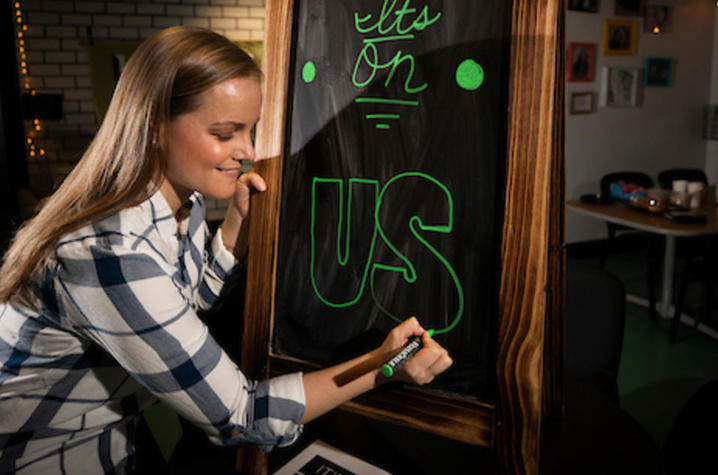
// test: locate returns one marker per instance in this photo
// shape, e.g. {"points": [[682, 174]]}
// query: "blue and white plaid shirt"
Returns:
{"points": [[114, 328]]}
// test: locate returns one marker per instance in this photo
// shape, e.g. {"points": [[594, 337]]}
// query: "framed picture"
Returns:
{"points": [[581, 103], [580, 61], [590, 6], [619, 87], [656, 19], [628, 8], [658, 72], [619, 37]]}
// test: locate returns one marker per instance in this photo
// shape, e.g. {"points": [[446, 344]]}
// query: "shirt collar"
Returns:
{"points": [[162, 216]]}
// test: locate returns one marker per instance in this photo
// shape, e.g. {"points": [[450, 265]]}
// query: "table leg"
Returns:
{"points": [[669, 264]]}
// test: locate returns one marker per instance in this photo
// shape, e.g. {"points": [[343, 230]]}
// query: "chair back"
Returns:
{"points": [[636, 178], [666, 177], [594, 325]]}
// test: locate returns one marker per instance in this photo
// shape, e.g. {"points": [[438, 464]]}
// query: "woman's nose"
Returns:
{"points": [[245, 150]]}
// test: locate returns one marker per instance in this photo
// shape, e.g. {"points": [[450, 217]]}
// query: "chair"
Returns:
{"points": [[691, 251], [648, 241], [595, 319], [666, 177], [691, 442]]}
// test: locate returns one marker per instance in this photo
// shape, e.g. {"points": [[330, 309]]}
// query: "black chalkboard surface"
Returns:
{"points": [[393, 182]]}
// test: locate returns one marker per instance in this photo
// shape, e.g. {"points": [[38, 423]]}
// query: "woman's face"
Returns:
{"points": [[204, 148]]}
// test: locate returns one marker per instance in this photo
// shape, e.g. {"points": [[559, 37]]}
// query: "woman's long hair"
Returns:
{"points": [[163, 79]]}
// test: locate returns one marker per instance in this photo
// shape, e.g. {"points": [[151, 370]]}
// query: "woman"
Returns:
{"points": [[100, 289]]}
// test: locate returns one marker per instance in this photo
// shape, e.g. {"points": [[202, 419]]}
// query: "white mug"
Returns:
{"points": [[681, 186]]}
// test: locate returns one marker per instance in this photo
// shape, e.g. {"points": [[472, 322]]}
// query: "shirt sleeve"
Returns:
{"points": [[220, 264], [127, 303]]}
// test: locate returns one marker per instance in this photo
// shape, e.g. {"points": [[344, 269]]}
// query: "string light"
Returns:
{"points": [[33, 149]]}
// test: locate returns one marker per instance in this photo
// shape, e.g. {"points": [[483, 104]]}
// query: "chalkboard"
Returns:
{"points": [[425, 182], [393, 183]]}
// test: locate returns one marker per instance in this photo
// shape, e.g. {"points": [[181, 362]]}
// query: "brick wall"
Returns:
{"points": [[57, 39]]}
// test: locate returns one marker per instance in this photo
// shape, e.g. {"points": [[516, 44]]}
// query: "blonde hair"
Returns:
{"points": [[162, 79]]}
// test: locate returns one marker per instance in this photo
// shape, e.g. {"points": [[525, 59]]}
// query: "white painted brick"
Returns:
{"points": [[180, 10], [84, 94], [45, 69], [229, 3], [34, 31], [83, 81], [107, 20], [71, 19], [87, 106], [167, 1], [71, 106], [236, 12], [79, 118], [61, 57], [116, 7], [43, 44], [100, 32], [250, 23], [150, 9], [255, 3], [41, 18], [208, 11], [57, 6], [60, 82], [196, 2], [61, 31], [36, 82], [89, 130], [34, 56], [195, 21], [90, 7], [166, 21], [223, 22], [133, 20], [75, 69], [238, 35], [82, 57], [28, 5], [124, 33], [256, 12], [147, 32], [71, 44], [257, 35]]}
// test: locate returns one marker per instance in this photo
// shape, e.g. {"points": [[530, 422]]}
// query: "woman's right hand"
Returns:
{"points": [[421, 368]]}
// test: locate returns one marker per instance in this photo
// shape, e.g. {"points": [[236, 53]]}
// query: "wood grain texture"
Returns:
{"points": [[453, 417], [264, 219], [524, 255], [553, 398]]}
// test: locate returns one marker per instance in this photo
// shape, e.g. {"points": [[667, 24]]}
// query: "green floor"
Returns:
{"points": [[655, 377]]}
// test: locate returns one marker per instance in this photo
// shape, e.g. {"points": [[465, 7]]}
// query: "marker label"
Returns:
{"points": [[407, 352]]}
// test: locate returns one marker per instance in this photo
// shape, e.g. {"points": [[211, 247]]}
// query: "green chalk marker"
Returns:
{"points": [[407, 352]]}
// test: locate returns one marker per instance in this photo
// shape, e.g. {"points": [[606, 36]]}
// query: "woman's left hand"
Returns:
{"points": [[247, 184]]}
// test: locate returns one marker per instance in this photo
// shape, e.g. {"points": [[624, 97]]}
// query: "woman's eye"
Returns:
{"points": [[223, 138]]}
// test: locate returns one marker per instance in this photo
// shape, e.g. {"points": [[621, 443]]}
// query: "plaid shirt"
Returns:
{"points": [[115, 327]]}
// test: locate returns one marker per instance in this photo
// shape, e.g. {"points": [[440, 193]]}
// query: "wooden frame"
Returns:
{"points": [[582, 103], [620, 37], [528, 379], [619, 87], [580, 62], [658, 72]]}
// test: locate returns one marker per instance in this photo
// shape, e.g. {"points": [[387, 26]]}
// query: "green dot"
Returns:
{"points": [[469, 75], [309, 72]]}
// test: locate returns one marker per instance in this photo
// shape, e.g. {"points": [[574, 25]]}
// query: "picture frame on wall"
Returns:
{"points": [[590, 6], [619, 87], [619, 37], [627, 8], [580, 62], [657, 19], [581, 103], [658, 72]]}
